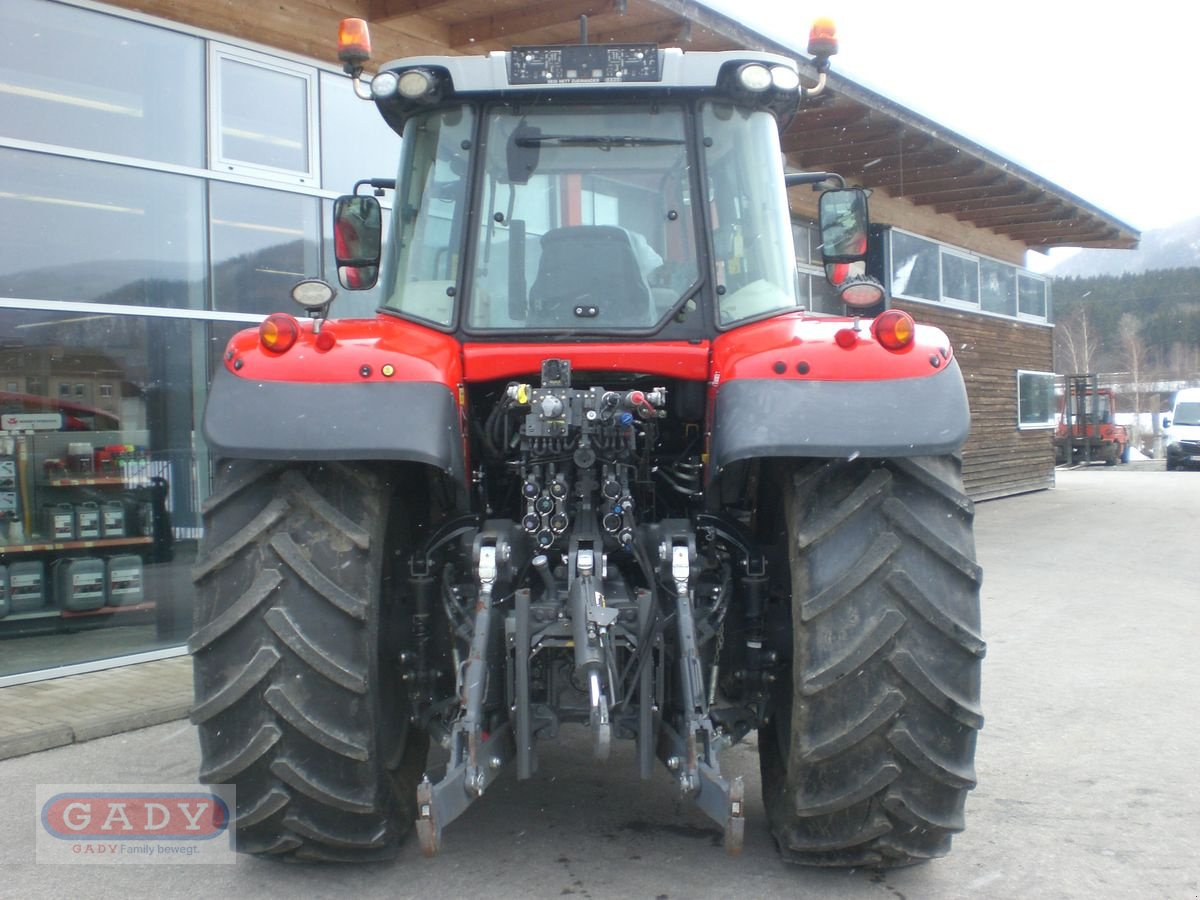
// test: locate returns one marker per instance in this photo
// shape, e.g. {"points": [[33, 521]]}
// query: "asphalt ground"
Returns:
{"points": [[1088, 783]]}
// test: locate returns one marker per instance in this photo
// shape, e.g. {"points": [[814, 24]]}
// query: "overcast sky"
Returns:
{"points": [[1100, 98]]}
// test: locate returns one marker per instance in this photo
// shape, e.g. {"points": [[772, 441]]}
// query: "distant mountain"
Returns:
{"points": [[1177, 247]]}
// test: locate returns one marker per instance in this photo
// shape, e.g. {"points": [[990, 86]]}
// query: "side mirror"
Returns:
{"points": [[1166, 422], [357, 240], [844, 225]]}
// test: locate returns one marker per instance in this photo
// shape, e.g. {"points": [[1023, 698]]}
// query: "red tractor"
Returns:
{"points": [[591, 464]]}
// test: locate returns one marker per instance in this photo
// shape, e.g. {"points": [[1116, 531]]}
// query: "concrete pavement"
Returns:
{"points": [[1086, 765], [62, 711]]}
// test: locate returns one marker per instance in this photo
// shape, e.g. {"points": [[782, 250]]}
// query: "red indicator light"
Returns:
{"points": [[894, 329], [326, 340], [278, 332], [846, 338], [822, 38], [354, 42]]}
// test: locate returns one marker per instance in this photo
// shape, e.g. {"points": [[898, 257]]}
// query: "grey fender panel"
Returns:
{"points": [[906, 417], [414, 422]]}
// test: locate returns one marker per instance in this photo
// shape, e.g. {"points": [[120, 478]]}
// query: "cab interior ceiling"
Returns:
{"points": [[863, 136]]}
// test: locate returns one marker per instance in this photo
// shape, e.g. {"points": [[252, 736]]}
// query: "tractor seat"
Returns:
{"points": [[588, 275]]}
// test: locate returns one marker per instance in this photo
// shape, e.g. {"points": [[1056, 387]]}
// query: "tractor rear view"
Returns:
{"points": [[591, 466]]}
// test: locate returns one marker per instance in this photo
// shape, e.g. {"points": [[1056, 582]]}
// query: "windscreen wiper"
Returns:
{"points": [[603, 141]]}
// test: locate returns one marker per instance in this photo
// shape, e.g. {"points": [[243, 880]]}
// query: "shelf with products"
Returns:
{"points": [[88, 511], [63, 546], [95, 481]]}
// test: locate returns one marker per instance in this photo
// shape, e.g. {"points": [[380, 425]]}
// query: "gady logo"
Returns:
{"points": [[135, 816]]}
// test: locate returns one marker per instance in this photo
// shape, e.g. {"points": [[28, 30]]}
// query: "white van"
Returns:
{"points": [[1183, 430]]}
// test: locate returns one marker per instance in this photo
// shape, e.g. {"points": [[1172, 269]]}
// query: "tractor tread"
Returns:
{"points": [[296, 693], [264, 584], [919, 470], [875, 636], [906, 809], [301, 489], [876, 826], [289, 551], [904, 519], [340, 673], [868, 785], [941, 696], [323, 733], [908, 591], [268, 805], [221, 555], [879, 713], [929, 761], [869, 751], [289, 772], [254, 471], [223, 770], [372, 839], [872, 561], [250, 676], [276, 846], [871, 492]]}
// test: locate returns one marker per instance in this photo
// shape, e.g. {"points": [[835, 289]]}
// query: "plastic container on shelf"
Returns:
{"points": [[79, 583], [60, 522], [80, 458], [125, 583], [4, 601], [87, 521], [112, 519], [26, 586]]}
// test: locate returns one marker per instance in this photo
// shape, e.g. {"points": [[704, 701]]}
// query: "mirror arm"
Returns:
{"points": [[794, 179], [378, 184]]}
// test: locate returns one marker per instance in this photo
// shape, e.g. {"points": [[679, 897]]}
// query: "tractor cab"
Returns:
{"points": [[585, 190]]}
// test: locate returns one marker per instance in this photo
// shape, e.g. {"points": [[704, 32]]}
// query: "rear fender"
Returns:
{"points": [[386, 389], [786, 388]]}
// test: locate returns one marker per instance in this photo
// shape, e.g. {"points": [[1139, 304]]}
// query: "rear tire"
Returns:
{"points": [[299, 699], [868, 753]]}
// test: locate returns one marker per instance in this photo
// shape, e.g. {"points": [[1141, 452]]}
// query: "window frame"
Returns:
{"points": [[219, 53], [1051, 421], [968, 258], [944, 299], [1029, 317]]}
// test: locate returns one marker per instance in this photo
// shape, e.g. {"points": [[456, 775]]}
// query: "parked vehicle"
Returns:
{"points": [[1087, 430], [591, 465], [1183, 430]]}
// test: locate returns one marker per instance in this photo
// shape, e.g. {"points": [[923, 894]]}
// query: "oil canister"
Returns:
{"points": [[79, 583], [60, 522], [112, 519], [124, 582], [26, 586], [87, 521]]}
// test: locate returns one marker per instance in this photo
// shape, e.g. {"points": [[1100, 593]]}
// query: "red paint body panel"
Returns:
{"points": [[670, 359], [754, 351], [417, 353], [414, 352]]}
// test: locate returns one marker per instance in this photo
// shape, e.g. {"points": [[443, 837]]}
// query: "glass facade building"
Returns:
{"points": [[160, 188]]}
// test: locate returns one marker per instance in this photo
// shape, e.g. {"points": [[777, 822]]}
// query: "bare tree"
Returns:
{"points": [[1076, 341], [1133, 350]]}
